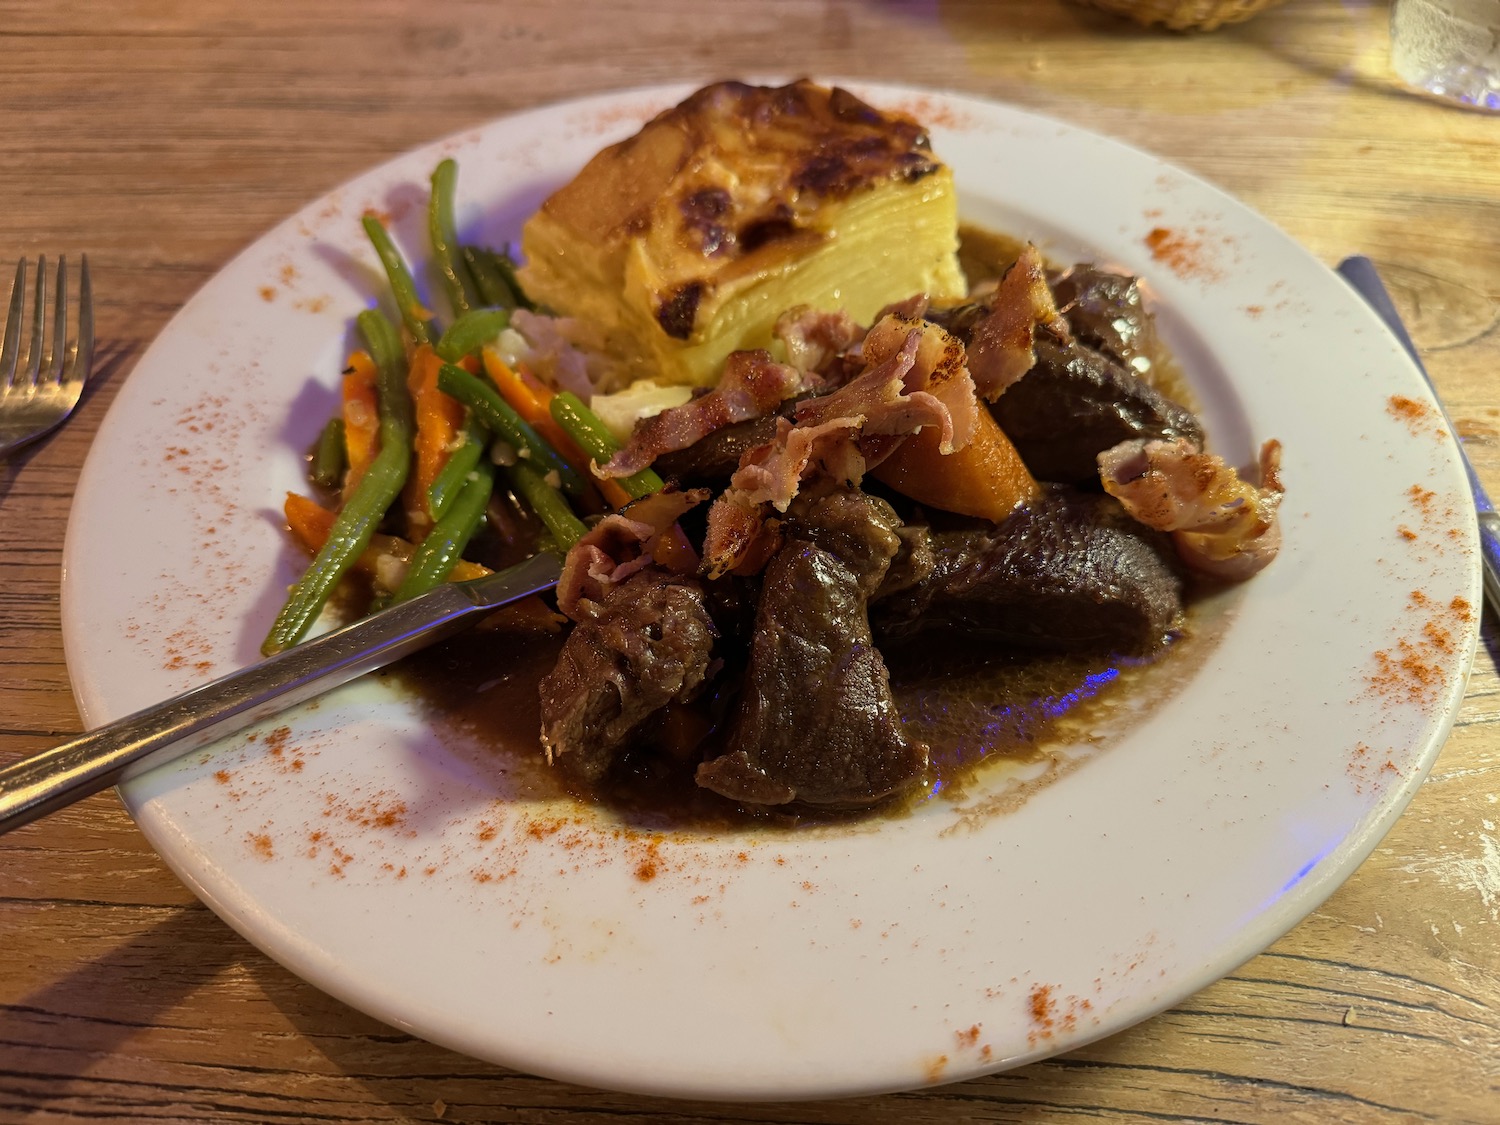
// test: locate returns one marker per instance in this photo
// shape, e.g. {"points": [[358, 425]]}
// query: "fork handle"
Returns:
{"points": [[46, 782]]}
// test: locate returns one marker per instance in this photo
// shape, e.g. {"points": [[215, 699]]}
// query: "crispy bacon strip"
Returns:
{"points": [[813, 338], [1221, 525], [752, 385], [834, 435], [1003, 347], [619, 545], [939, 368]]}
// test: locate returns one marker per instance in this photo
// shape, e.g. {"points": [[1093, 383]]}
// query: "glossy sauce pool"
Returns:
{"points": [[998, 724]]}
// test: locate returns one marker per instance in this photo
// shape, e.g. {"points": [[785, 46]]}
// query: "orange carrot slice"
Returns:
{"points": [[531, 400], [439, 418], [310, 523], [986, 478], [361, 412]]}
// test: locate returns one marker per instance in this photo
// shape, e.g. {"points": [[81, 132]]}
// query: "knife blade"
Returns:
{"points": [[1362, 276], [46, 782]]}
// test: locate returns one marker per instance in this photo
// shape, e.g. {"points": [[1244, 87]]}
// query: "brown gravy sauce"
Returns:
{"points": [[998, 724]]}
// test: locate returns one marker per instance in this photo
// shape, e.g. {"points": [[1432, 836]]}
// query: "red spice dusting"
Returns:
{"points": [[487, 832], [647, 869], [1406, 533], [261, 843], [1365, 774], [1407, 673], [935, 1068], [1042, 1007], [1185, 255], [932, 112], [1439, 636], [276, 740], [1418, 416], [267, 293], [1050, 1016], [1255, 310], [967, 1038], [1408, 408], [222, 776]]}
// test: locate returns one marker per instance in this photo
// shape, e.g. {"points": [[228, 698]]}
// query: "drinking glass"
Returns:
{"points": [[1450, 48]]}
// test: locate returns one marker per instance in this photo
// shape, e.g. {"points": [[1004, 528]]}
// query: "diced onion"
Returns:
{"points": [[623, 409]]}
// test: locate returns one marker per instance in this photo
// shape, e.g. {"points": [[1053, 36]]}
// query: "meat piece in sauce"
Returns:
{"points": [[1070, 573], [816, 722], [712, 459], [1223, 526], [1106, 312], [646, 645], [1074, 404]]}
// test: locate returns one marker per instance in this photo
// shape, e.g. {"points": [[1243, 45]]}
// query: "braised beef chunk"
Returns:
{"points": [[1076, 403], [712, 460], [1069, 573], [1106, 312], [816, 722], [861, 531], [646, 645], [913, 563]]}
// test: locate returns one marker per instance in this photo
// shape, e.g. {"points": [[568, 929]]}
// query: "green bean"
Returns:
{"points": [[505, 423], [595, 439], [413, 314], [329, 457], [472, 331], [376, 491], [455, 471], [547, 502], [444, 238], [440, 551], [495, 278]]}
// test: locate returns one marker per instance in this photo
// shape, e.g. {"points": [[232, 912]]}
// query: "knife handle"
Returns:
{"points": [[1489, 554]]}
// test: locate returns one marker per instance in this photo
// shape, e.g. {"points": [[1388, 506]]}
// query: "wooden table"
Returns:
{"points": [[163, 137]]}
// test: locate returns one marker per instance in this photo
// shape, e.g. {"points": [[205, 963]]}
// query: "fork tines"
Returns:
{"points": [[49, 357]]}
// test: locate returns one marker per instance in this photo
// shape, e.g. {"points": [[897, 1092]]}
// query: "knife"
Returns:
{"points": [[1360, 273], [46, 782]]}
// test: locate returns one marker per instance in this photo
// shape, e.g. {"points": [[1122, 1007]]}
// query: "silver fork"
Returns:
{"points": [[40, 387]]}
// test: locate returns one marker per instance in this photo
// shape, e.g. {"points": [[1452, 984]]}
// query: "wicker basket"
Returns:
{"points": [[1186, 15]]}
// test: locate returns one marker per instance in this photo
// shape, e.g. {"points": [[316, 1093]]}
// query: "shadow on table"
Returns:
{"points": [[62, 1031]]}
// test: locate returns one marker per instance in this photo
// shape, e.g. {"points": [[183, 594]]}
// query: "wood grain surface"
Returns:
{"points": [[162, 136]]}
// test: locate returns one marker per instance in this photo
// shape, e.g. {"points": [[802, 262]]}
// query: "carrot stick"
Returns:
{"points": [[986, 478], [439, 418], [361, 411], [532, 401], [310, 522]]}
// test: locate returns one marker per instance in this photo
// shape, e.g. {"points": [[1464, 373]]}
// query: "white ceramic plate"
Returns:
{"points": [[400, 875]]}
